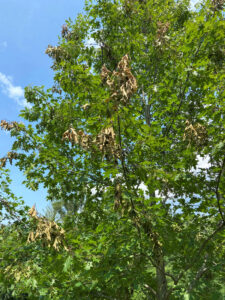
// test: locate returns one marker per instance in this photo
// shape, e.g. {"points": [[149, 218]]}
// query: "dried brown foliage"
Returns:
{"points": [[10, 156], [3, 162], [105, 140], [161, 37], [122, 84], [86, 106], [65, 32], [48, 232], [162, 28], [118, 196], [195, 134], [121, 204], [10, 125], [57, 52], [57, 90], [105, 73], [80, 138]]}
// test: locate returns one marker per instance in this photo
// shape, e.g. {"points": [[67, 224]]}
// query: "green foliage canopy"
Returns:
{"points": [[142, 219]]}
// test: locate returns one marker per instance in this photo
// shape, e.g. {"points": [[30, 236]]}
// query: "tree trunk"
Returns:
{"points": [[158, 261], [162, 292]]}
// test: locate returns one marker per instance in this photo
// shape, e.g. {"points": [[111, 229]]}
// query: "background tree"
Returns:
{"points": [[138, 100]]}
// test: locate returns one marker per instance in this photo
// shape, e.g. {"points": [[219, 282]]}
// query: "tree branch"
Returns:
{"points": [[150, 289], [166, 273], [218, 196], [198, 254], [199, 274], [122, 161], [181, 97]]}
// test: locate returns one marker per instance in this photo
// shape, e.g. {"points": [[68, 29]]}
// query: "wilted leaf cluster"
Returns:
{"points": [[8, 126], [195, 134], [105, 141], [10, 156], [122, 83], [121, 204], [48, 232], [80, 138], [161, 37], [57, 53]]}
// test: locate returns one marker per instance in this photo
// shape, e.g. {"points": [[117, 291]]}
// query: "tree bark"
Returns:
{"points": [[162, 290], [157, 262]]}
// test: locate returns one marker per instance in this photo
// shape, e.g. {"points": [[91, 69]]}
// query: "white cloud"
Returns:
{"points": [[192, 4], [13, 92], [93, 191], [203, 162], [144, 188], [90, 42]]}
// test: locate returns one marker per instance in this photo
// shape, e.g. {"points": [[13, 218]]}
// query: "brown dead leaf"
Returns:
{"points": [[86, 106], [121, 83], [195, 134]]}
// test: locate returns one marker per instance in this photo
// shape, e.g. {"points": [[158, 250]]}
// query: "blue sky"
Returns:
{"points": [[27, 27]]}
